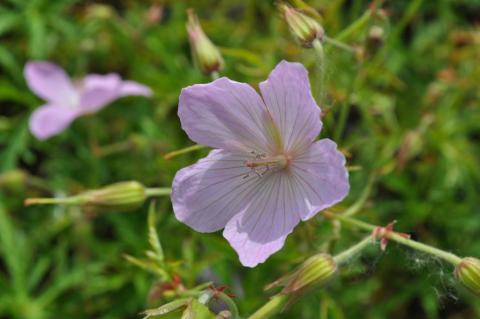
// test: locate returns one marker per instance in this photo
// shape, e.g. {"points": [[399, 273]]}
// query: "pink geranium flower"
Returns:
{"points": [[65, 101], [267, 172]]}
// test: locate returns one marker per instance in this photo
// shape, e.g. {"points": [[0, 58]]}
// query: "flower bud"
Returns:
{"points": [[375, 40], [467, 273], [315, 271], [118, 196], [304, 28], [13, 180], [206, 56]]}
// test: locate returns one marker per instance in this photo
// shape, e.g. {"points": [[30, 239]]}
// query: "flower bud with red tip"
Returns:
{"points": [[206, 56], [304, 28]]}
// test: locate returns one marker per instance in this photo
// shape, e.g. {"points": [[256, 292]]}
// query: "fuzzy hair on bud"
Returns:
{"points": [[467, 272], [304, 28]]}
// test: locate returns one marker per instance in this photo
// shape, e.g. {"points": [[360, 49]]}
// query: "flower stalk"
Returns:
{"points": [[399, 238]]}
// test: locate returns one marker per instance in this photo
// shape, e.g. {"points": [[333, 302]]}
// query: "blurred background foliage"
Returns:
{"points": [[409, 100]]}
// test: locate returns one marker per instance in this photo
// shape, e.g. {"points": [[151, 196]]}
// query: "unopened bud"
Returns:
{"points": [[205, 54], [14, 179], [304, 28], [467, 273], [375, 40], [315, 271], [118, 196]]}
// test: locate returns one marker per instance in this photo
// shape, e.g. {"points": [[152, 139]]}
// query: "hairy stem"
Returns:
{"points": [[318, 46], [446, 256], [354, 250]]}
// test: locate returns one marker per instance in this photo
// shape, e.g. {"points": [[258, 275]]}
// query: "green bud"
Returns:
{"points": [[118, 196], [14, 179], [206, 56], [304, 28], [315, 271], [467, 273]]}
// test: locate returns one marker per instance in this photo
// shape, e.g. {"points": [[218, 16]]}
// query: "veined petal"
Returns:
{"points": [[289, 99], [251, 253], [51, 83], [261, 228], [206, 195], [49, 120], [225, 114], [321, 176]]}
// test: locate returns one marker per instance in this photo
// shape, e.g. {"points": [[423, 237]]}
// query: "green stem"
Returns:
{"points": [[74, 200], [356, 25], [340, 44], [318, 46], [355, 208], [183, 151], [353, 251], [161, 191], [215, 75], [345, 109], [447, 256], [230, 304], [271, 308]]}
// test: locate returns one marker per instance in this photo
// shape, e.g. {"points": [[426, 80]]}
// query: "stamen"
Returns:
{"points": [[279, 161]]}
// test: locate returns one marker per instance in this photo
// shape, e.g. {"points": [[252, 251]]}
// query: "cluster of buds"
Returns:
{"points": [[206, 56], [313, 272], [304, 28], [467, 272]]}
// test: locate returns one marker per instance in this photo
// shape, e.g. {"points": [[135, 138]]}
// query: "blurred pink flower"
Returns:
{"points": [[65, 101], [267, 172]]}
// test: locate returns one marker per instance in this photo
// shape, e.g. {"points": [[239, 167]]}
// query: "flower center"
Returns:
{"points": [[261, 164]]}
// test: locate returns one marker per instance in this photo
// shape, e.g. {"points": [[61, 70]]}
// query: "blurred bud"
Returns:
{"points": [[154, 14], [315, 271], [14, 179], [467, 273], [100, 11], [118, 196], [304, 28], [205, 54], [375, 40]]}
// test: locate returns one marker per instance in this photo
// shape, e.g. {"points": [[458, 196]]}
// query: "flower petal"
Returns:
{"points": [[321, 176], [99, 91], [289, 99], [261, 228], [51, 83], [49, 120], [225, 114], [206, 195], [133, 88], [251, 253]]}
